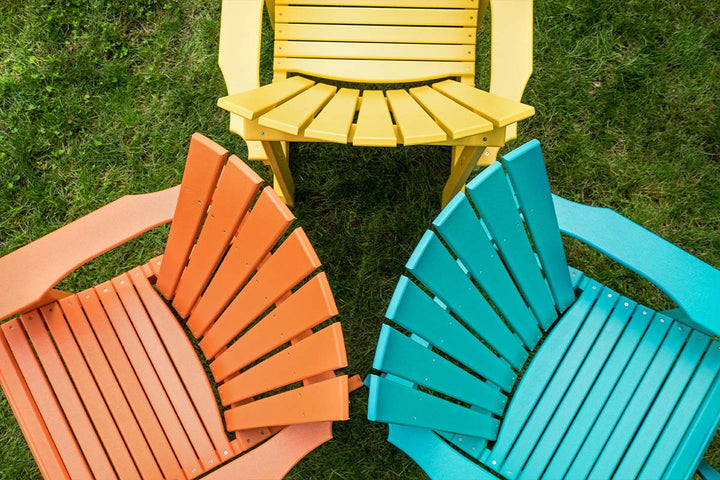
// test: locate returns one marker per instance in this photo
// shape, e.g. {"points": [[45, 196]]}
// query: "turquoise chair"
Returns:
{"points": [[505, 361]]}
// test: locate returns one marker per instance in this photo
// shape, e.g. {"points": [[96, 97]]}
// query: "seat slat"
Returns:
{"points": [[68, 398], [433, 265], [526, 170], [251, 104], [306, 308], [609, 416], [373, 16], [560, 382], [377, 71], [374, 125], [594, 402], [318, 353], [499, 110], [377, 51], [392, 402], [28, 416], [414, 124], [235, 190], [257, 234], [699, 389], [46, 402], [186, 362], [334, 120], [202, 169], [322, 401], [386, 3], [455, 119], [133, 391], [292, 262], [491, 195], [297, 112], [663, 406], [399, 355], [376, 33], [462, 230], [531, 387], [579, 388], [413, 310], [89, 392]]}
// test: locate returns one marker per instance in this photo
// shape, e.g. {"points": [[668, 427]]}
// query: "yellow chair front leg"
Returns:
{"points": [[282, 178]]}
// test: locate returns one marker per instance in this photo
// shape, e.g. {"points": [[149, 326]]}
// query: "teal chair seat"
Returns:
{"points": [[503, 360]]}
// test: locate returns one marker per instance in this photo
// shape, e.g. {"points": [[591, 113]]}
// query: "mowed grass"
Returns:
{"points": [[99, 99]]}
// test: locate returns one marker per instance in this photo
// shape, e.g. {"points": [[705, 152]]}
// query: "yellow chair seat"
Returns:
{"points": [[444, 111]]}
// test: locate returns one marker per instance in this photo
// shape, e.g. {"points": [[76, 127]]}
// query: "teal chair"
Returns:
{"points": [[504, 361]]}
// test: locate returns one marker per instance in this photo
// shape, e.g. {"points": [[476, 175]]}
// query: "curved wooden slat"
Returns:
{"points": [[333, 123], [297, 112], [374, 16], [374, 125]]}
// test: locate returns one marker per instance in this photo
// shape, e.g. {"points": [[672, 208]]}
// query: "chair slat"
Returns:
{"points": [[334, 120], [578, 390], [251, 104], [599, 394], [374, 16], [392, 402], [551, 352], [89, 392], [414, 124], [235, 190], [386, 3], [433, 265], [68, 398], [558, 386], [412, 309], [376, 71], [376, 51], [663, 406], [621, 395], [306, 308], [45, 400], [296, 113], [131, 388], [28, 416], [257, 234], [374, 33], [526, 170], [320, 352], [162, 363], [202, 168], [499, 110], [491, 195], [292, 262], [186, 362], [322, 401], [455, 119], [374, 125], [399, 355], [462, 230]]}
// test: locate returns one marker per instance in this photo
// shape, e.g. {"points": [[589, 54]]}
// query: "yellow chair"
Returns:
{"points": [[375, 42]]}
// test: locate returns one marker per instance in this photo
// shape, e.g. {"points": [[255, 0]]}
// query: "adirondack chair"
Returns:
{"points": [[516, 365], [390, 42], [108, 383]]}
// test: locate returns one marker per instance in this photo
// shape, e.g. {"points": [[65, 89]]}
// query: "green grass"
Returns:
{"points": [[99, 99]]}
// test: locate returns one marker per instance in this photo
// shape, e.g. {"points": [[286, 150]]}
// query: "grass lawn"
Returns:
{"points": [[99, 98]]}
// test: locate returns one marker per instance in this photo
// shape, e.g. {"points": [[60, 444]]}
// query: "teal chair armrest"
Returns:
{"points": [[692, 284]]}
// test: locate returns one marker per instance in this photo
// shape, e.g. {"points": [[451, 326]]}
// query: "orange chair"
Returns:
{"points": [[107, 383]]}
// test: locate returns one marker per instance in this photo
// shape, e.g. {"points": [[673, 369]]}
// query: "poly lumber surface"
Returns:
{"points": [[106, 383], [374, 125], [614, 390]]}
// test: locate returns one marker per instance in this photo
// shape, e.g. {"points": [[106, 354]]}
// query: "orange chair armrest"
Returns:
{"points": [[28, 274]]}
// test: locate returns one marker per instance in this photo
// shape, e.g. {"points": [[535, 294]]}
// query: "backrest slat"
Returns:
{"points": [[433, 265], [491, 195], [526, 169], [202, 169], [462, 230], [235, 190]]}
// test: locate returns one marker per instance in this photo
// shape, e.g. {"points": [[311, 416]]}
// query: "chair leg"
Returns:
{"points": [[463, 162], [282, 181]]}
